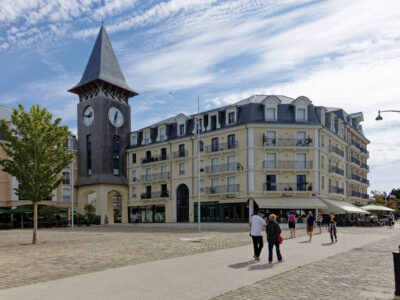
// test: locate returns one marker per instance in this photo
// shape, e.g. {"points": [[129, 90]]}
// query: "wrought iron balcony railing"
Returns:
{"points": [[334, 169], [355, 177], [222, 147], [336, 150], [223, 189], [288, 187], [155, 158], [288, 164], [365, 166], [364, 180], [356, 194], [179, 154], [355, 160], [336, 190], [154, 177], [270, 142], [355, 144], [365, 196], [224, 168], [155, 195]]}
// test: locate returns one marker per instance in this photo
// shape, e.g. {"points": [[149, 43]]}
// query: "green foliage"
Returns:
{"points": [[89, 209], [383, 199], [49, 212], [36, 150], [79, 219]]}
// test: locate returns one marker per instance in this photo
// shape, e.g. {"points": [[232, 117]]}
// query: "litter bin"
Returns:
{"points": [[396, 263]]}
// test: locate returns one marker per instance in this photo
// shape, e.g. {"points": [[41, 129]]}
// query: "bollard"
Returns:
{"points": [[396, 263]]}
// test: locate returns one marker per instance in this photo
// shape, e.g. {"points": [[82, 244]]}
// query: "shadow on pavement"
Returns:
{"points": [[305, 242], [327, 244], [261, 267], [242, 264]]}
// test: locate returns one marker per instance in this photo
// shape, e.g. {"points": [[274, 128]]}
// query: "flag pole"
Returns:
{"points": [[198, 161]]}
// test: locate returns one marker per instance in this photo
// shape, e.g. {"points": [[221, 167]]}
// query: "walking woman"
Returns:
{"points": [[319, 222], [292, 224], [332, 227], [273, 232]]}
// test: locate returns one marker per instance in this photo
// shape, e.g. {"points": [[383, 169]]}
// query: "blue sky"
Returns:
{"points": [[338, 53]]}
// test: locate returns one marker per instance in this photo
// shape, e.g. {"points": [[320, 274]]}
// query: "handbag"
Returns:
{"points": [[280, 239]]}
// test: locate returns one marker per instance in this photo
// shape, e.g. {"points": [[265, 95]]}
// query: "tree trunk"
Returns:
{"points": [[35, 208]]}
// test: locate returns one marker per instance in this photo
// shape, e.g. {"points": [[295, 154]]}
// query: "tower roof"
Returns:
{"points": [[103, 65]]}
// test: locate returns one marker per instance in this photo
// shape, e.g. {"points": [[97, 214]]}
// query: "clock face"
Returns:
{"points": [[88, 115], [115, 116]]}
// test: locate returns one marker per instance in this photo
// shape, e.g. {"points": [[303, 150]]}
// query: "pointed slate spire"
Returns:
{"points": [[103, 65]]}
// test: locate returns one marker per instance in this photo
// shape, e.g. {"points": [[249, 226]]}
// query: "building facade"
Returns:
{"points": [[63, 195], [270, 152]]}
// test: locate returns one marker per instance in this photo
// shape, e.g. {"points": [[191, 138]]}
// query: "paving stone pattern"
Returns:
{"points": [[362, 273]]}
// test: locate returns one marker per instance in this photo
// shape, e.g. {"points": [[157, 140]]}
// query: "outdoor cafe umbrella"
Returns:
{"points": [[376, 208], [21, 210]]}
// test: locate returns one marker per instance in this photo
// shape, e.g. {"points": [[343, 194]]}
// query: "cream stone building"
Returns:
{"points": [[270, 152], [63, 195]]}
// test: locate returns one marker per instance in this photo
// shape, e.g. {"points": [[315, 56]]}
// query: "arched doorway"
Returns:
{"points": [[182, 203]]}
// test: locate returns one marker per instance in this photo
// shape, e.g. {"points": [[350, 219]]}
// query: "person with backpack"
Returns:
{"points": [[292, 225]]}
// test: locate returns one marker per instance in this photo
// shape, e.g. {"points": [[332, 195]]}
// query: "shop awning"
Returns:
{"points": [[342, 207], [290, 203], [376, 208]]}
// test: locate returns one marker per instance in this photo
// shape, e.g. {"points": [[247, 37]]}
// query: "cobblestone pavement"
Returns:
{"points": [[67, 252], [362, 273]]}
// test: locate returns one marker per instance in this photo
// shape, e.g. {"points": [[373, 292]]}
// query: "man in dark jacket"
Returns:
{"points": [[273, 232]]}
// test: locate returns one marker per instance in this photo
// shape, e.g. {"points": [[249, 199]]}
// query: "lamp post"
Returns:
{"points": [[379, 117]]}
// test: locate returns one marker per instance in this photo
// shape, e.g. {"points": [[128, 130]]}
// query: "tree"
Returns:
{"points": [[89, 210], [49, 212], [36, 154]]}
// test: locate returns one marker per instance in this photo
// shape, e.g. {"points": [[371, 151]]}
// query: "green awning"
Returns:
{"points": [[5, 211], [21, 209]]}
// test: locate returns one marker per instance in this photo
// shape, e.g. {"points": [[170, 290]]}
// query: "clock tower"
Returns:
{"points": [[104, 124]]}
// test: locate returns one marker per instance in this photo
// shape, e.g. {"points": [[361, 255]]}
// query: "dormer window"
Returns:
{"points": [[134, 139], [300, 114], [231, 118], [146, 137], [181, 129], [161, 136], [271, 113]]}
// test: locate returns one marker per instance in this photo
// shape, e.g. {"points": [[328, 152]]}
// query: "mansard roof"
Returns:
{"points": [[103, 65]]}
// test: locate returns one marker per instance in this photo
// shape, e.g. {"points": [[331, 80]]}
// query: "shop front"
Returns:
{"points": [[147, 214], [235, 212], [210, 211]]}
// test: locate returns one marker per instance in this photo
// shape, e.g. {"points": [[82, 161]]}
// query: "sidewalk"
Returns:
{"points": [[200, 276]]}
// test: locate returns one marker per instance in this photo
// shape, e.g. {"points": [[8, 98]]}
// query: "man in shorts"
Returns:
{"points": [[310, 224]]}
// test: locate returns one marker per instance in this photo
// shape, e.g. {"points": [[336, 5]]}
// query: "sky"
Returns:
{"points": [[337, 53]]}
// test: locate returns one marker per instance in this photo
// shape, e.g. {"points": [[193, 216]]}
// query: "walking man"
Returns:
{"points": [[257, 224], [310, 224], [391, 220]]}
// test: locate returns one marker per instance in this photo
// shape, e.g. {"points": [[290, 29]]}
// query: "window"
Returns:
{"points": [[232, 163], [271, 113], [300, 160], [270, 138], [147, 137], [162, 134], [322, 140], [66, 178], [301, 183], [164, 172], [270, 160], [148, 174], [213, 122], [181, 168], [134, 175], [201, 146], [134, 140], [200, 125], [66, 195], [323, 183], [301, 138], [232, 141], [201, 185], [215, 165], [182, 129], [116, 155], [232, 187], [134, 158], [214, 185], [215, 144], [231, 118], [270, 184], [301, 114], [322, 162], [88, 155], [201, 165], [164, 190], [163, 153], [134, 192]]}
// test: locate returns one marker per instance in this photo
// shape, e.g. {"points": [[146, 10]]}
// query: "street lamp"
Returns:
{"points": [[379, 117]]}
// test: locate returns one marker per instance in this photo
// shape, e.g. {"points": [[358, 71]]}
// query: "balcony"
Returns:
{"points": [[336, 190], [365, 166], [288, 187], [355, 160], [222, 147], [356, 194], [364, 180], [364, 151], [154, 195], [231, 167], [288, 165], [155, 158], [355, 144], [365, 196], [269, 142], [355, 177], [336, 150], [223, 189], [180, 154], [155, 177], [336, 170]]}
